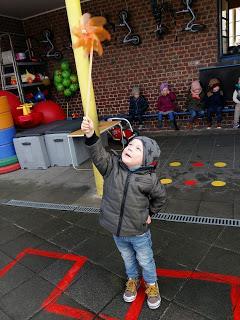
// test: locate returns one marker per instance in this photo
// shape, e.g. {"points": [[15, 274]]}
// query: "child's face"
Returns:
{"points": [[197, 91], [216, 89], [165, 91], [136, 95], [132, 155]]}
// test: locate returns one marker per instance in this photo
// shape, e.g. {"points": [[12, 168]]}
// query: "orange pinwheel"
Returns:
{"points": [[91, 33]]}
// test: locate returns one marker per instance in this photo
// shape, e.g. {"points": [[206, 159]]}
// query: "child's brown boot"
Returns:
{"points": [[130, 293], [153, 296]]}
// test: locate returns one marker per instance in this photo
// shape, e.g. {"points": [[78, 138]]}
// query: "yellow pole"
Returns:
{"points": [[74, 14]]}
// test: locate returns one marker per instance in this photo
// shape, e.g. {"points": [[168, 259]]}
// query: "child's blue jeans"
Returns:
{"points": [[170, 115], [195, 114], [217, 110], [137, 254]]}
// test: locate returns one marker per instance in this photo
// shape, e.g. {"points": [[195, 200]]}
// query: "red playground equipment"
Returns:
{"points": [[50, 110], [42, 112], [123, 132]]}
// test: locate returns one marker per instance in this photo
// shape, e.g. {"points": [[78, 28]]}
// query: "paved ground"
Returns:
{"points": [[205, 150], [198, 264], [96, 288], [68, 186]]}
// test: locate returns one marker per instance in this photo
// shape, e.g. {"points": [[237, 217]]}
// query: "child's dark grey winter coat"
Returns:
{"points": [[128, 196]]}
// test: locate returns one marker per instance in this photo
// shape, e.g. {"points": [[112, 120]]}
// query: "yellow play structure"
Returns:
{"points": [[83, 67]]}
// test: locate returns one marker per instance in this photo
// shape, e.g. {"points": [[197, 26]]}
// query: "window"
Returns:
{"points": [[229, 27]]}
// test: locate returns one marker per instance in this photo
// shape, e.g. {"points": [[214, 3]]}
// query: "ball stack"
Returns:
{"points": [[8, 158]]}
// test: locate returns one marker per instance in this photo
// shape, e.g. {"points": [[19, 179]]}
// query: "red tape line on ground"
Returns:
{"points": [[50, 303]]}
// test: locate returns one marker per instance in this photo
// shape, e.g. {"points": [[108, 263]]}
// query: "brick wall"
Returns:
{"points": [[176, 58], [150, 63]]}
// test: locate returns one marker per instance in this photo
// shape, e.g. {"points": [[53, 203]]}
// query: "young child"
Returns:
{"points": [[195, 102], [131, 194], [138, 104], [214, 102], [236, 99], [166, 106]]}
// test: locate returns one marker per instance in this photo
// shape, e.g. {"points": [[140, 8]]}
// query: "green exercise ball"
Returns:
{"points": [[58, 79], [60, 87], [74, 78], [66, 74], [67, 92], [66, 83], [57, 72], [65, 65], [73, 87]]}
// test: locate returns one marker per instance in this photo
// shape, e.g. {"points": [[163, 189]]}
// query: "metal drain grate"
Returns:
{"points": [[159, 216], [195, 219], [87, 209], [3, 201], [41, 205]]}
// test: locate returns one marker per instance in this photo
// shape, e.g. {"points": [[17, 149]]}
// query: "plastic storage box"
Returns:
{"points": [[79, 151], [31, 152], [58, 146], [31, 148]]}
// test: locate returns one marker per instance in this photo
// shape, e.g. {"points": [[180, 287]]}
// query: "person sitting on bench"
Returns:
{"points": [[195, 102], [214, 102], [236, 99], [138, 104], [166, 106]]}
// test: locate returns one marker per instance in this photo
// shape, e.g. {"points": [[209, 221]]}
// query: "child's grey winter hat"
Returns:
{"points": [[151, 151], [135, 89]]}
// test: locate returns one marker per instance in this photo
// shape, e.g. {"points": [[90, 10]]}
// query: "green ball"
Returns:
{"points": [[57, 72], [73, 87], [66, 83], [59, 87], [67, 93], [74, 78], [66, 74], [65, 65], [58, 79]]}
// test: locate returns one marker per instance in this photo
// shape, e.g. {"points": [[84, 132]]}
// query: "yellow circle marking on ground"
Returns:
{"points": [[166, 181], [218, 183], [220, 164], [175, 164]]}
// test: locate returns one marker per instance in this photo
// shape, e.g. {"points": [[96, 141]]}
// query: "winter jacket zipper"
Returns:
{"points": [[123, 204]]}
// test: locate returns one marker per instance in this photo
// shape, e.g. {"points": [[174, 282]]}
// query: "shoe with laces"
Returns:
{"points": [[209, 125], [153, 296], [130, 293]]}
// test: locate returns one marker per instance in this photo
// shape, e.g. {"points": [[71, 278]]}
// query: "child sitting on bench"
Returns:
{"points": [[138, 104], [195, 102], [166, 106]]}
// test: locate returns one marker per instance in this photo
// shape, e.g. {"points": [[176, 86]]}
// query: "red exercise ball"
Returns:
{"points": [[14, 102], [51, 111]]}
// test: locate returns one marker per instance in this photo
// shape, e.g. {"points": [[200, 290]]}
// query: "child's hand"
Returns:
{"points": [[149, 220], [87, 127]]}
